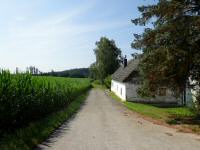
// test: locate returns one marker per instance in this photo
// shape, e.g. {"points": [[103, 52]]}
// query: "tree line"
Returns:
{"points": [[71, 73]]}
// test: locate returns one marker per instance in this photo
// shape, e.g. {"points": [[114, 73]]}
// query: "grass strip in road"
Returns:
{"points": [[179, 116], [36, 132]]}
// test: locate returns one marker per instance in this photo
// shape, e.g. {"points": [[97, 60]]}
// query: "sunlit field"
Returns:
{"points": [[24, 98]]}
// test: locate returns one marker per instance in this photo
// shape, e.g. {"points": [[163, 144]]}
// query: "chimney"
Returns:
{"points": [[125, 62]]}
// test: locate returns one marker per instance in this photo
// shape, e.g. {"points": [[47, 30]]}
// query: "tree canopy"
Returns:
{"points": [[107, 58], [171, 49]]}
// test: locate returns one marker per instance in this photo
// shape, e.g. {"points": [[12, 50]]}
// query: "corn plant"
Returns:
{"points": [[24, 98]]}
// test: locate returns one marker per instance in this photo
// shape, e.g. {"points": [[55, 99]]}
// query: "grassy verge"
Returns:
{"points": [[28, 137], [178, 116], [99, 86]]}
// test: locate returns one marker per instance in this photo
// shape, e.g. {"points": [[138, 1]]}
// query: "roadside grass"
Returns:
{"points": [[98, 86], [179, 116], [36, 132], [159, 113]]}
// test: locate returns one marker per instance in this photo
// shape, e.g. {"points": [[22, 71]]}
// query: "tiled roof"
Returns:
{"points": [[121, 74]]}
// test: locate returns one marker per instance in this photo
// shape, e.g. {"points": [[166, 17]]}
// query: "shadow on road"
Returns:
{"points": [[59, 132]]}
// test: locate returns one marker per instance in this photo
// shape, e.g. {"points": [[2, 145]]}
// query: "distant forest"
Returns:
{"points": [[72, 73]]}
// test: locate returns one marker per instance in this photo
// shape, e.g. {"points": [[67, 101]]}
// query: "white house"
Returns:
{"points": [[192, 92], [125, 82]]}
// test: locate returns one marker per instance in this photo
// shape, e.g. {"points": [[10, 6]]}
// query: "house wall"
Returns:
{"points": [[189, 98], [132, 95], [168, 98], [119, 89], [128, 91], [131, 91], [192, 92]]}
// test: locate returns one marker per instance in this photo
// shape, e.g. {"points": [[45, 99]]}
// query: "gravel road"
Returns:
{"points": [[104, 124]]}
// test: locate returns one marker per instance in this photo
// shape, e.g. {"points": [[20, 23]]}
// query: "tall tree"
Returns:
{"points": [[107, 58], [93, 71], [171, 49]]}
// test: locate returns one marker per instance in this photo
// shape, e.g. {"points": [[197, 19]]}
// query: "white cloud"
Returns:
{"points": [[42, 42]]}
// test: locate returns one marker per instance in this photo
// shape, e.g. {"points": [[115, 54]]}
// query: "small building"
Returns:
{"points": [[126, 81]]}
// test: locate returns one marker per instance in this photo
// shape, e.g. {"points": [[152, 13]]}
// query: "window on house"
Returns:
{"points": [[121, 91], [162, 91]]}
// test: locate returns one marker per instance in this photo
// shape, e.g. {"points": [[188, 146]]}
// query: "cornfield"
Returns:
{"points": [[24, 98]]}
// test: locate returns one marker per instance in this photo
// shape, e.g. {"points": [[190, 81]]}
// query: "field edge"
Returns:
{"points": [[36, 132]]}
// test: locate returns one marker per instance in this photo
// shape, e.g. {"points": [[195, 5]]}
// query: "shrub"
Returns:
{"points": [[97, 82], [107, 82]]}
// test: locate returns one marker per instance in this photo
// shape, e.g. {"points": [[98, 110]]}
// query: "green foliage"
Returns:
{"points": [[107, 59], [34, 133], [107, 82], [24, 98], [97, 82], [94, 72], [145, 91], [171, 49]]}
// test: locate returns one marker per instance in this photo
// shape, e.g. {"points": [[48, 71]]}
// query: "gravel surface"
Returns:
{"points": [[104, 124]]}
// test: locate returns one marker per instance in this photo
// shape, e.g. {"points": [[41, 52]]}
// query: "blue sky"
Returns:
{"points": [[61, 34]]}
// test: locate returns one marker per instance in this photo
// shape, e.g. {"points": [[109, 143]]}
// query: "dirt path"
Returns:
{"points": [[104, 124]]}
